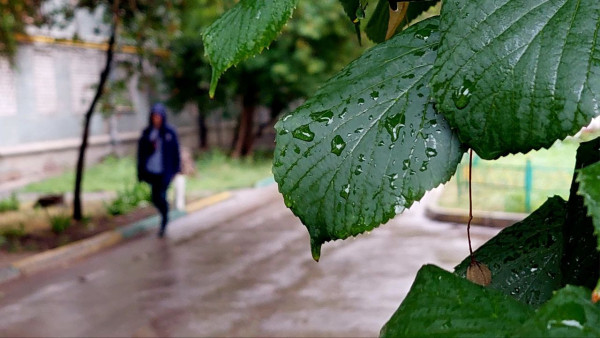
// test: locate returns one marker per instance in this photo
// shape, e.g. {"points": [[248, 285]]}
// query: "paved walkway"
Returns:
{"points": [[238, 268]]}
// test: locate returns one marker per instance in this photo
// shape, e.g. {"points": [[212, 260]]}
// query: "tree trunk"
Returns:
{"points": [[77, 209], [202, 130], [245, 136]]}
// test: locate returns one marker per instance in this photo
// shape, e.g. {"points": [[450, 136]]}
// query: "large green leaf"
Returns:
{"points": [[589, 187], [441, 304], [570, 313], [516, 75], [244, 31], [369, 143], [525, 258]]}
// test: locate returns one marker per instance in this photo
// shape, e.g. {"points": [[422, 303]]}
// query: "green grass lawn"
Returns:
{"points": [[500, 185], [215, 172]]}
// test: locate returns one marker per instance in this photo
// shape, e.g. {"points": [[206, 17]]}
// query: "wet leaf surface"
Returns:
{"points": [[516, 75], [570, 313], [442, 304], [244, 31], [525, 258], [589, 187], [369, 143]]}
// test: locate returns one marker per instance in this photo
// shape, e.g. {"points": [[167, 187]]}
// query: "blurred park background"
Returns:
{"points": [[55, 52]]}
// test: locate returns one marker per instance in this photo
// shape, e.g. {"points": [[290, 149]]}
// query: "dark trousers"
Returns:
{"points": [[159, 199]]}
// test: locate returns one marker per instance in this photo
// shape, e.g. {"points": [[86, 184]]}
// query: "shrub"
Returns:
{"points": [[129, 199], [60, 223], [9, 204]]}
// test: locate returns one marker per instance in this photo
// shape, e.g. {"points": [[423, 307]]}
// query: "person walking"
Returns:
{"points": [[158, 160]]}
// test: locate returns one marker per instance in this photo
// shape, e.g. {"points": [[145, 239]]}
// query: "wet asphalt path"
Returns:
{"points": [[221, 275]]}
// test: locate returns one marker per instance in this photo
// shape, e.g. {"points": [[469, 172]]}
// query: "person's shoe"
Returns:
{"points": [[161, 233]]}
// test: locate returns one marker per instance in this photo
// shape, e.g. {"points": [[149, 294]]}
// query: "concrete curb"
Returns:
{"points": [[86, 247], [484, 218]]}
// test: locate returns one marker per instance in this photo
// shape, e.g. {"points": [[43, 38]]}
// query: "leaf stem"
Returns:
{"points": [[470, 207]]}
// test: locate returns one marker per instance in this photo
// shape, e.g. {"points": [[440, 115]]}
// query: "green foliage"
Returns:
{"points": [[568, 314], [60, 223], [525, 258], [509, 76], [258, 21], [111, 174], [14, 16], [441, 304], [129, 199], [517, 75], [589, 188], [13, 233], [325, 156], [9, 204], [10, 237], [216, 172]]}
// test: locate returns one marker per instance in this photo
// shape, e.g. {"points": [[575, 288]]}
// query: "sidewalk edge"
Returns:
{"points": [[88, 246], [485, 218]]}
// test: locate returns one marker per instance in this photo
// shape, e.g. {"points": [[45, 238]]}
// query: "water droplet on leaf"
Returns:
{"points": [[430, 152], [322, 116], [337, 145], [345, 191], [462, 95], [303, 133], [393, 124]]}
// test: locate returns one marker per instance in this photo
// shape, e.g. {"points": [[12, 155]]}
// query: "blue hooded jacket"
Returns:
{"points": [[170, 148]]}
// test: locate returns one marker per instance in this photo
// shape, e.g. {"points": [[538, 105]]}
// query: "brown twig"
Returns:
{"points": [[470, 207]]}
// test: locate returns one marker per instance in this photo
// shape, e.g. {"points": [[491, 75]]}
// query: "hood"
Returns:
{"points": [[158, 108]]}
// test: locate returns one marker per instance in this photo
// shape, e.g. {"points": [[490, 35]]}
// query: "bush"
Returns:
{"points": [[129, 199], [9, 204], [60, 223], [9, 237]]}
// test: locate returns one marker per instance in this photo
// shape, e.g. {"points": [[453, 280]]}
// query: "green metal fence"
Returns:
{"points": [[519, 186]]}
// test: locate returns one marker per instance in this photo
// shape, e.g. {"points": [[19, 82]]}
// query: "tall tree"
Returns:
{"points": [[77, 206], [149, 24]]}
